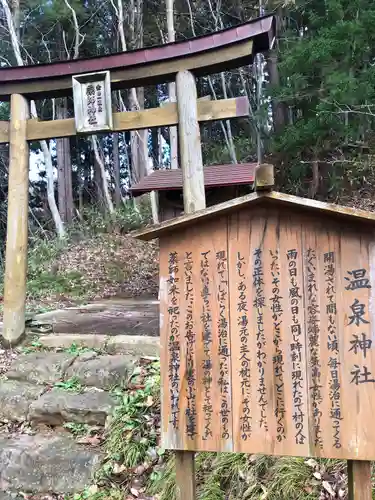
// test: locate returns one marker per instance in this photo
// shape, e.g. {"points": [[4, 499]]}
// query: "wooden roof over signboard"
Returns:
{"points": [[214, 176], [223, 50], [267, 198]]}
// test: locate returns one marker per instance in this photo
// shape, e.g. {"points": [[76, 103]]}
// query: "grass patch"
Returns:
{"points": [[80, 349], [70, 385], [230, 476], [77, 429], [133, 430], [33, 346], [93, 493], [132, 451], [45, 282]]}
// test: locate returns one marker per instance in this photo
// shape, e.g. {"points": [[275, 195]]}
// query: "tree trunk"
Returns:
{"points": [[16, 17], [116, 168], [103, 182], [142, 139], [314, 186], [64, 168], [43, 144], [232, 149], [60, 158], [278, 112], [51, 190], [98, 188]]}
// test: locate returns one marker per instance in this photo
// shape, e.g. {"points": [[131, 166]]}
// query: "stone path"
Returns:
{"points": [[46, 390], [109, 317], [44, 463]]}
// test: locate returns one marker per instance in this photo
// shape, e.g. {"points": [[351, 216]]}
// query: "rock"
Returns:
{"points": [[15, 399], [137, 345], [103, 372], [65, 340], [58, 406], [109, 317], [6, 496], [9, 495], [87, 356], [45, 463], [40, 367]]}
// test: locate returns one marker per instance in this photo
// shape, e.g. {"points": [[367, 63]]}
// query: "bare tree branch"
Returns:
{"points": [[43, 144], [107, 195], [78, 40]]}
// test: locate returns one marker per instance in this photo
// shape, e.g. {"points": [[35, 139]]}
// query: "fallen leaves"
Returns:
{"points": [[95, 440], [332, 483]]}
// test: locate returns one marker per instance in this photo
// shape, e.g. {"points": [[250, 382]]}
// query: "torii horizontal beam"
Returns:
{"points": [[223, 50], [165, 116]]}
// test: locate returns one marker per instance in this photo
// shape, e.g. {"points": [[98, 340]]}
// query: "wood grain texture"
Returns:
{"points": [[264, 177], [17, 225], [300, 334], [185, 475], [135, 120], [204, 416], [359, 480], [190, 143]]}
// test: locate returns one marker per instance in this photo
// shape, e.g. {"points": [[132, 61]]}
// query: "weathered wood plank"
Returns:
{"points": [[190, 143], [192, 357], [240, 291], [17, 225], [300, 329], [185, 475], [135, 120], [264, 177], [359, 480]]}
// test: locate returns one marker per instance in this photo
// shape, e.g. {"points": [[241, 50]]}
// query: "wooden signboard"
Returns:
{"points": [[267, 333], [92, 102]]}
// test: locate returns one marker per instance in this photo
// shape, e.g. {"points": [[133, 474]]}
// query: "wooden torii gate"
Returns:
{"points": [[181, 61]]}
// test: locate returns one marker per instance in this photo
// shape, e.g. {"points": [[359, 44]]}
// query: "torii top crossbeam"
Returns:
{"points": [[223, 50]]}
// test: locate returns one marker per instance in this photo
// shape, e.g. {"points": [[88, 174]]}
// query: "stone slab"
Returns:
{"points": [[45, 463], [40, 367], [16, 398], [66, 340], [57, 407], [136, 345], [109, 317], [104, 372]]}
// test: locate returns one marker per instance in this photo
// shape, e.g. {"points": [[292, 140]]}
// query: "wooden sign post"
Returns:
{"points": [[194, 199], [268, 331]]}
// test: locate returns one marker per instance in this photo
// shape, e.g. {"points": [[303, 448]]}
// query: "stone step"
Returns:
{"points": [[40, 367], [45, 463], [109, 317], [58, 406], [90, 369], [136, 345], [103, 372], [16, 398]]}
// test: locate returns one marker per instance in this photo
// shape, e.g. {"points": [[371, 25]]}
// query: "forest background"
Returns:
{"points": [[312, 99]]}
